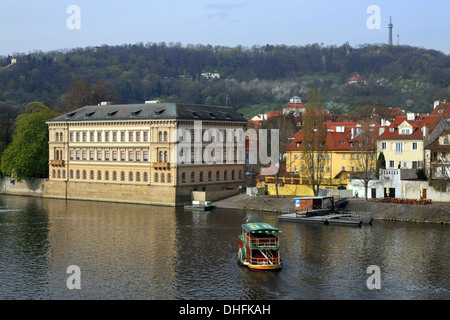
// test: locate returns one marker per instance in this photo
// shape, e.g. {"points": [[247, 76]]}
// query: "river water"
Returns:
{"points": [[126, 251]]}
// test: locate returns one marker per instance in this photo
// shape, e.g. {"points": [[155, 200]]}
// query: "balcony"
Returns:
{"points": [[57, 163], [161, 165]]}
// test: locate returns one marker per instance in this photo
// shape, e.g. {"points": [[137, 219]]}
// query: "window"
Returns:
{"points": [[130, 155], [122, 155], [122, 136], [156, 177], [84, 174], [99, 175], [138, 176], [225, 175], [233, 175], [138, 137], [183, 177], [217, 175], [91, 155], [399, 147], [240, 174], [163, 177], [343, 168], [165, 156], [84, 155], [145, 136], [99, 137], [414, 145], [91, 138], [130, 136], [145, 156], [71, 137], [391, 164], [99, 155], [114, 156], [107, 175], [192, 177], [201, 176], [130, 176], [160, 136], [122, 176], [383, 146], [78, 137], [165, 135], [78, 155], [114, 136], [114, 176], [145, 176], [78, 174], [295, 169], [84, 136], [71, 174], [169, 178], [107, 155], [71, 154]]}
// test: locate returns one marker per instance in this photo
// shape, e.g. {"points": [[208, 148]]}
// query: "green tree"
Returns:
{"points": [[381, 164], [27, 155]]}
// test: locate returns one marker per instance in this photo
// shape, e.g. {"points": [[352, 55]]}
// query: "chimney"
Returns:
{"points": [[425, 130]]}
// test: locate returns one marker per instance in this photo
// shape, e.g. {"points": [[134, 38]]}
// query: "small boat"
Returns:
{"points": [[200, 205], [259, 246]]}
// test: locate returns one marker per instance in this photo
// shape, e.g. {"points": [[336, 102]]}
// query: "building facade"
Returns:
{"points": [[132, 153]]}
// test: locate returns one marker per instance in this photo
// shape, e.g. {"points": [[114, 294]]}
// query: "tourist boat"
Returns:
{"points": [[259, 246]]}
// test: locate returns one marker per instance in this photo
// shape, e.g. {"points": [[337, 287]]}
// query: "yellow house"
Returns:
{"points": [[403, 141]]}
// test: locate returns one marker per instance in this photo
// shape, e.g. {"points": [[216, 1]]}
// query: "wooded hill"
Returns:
{"points": [[399, 76]]}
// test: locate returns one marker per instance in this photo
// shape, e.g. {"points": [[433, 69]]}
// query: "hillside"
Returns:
{"points": [[263, 76]]}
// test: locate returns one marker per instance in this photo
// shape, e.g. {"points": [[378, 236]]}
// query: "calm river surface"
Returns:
{"points": [[144, 252]]}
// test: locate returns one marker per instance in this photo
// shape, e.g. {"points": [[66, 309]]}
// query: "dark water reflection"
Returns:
{"points": [[142, 252]]}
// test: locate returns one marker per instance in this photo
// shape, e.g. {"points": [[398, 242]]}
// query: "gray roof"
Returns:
{"points": [[151, 111]]}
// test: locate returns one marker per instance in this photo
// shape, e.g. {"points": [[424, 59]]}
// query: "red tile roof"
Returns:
{"points": [[392, 132], [442, 109]]}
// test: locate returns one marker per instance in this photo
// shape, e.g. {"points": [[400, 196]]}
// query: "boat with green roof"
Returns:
{"points": [[259, 246]]}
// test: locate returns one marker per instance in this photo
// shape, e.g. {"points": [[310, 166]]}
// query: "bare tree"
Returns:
{"points": [[315, 152], [364, 159]]}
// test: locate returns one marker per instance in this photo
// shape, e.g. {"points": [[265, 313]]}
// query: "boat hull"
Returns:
{"points": [[260, 267]]}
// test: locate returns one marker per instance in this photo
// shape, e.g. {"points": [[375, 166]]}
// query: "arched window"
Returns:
{"points": [[183, 177], [225, 175], [64, 174], [232, 175], [54, 174], [240, 174], [59, 174], [217, 175], [71, 174], [192, 176], [165, 135], [138, 176], [160, 156], [160, 136], [114, 175], [169, 178], [122, 176], [163, 177], [165, 156], [99, 175], [130, 176], [209, 176], [156, 177], [92, 175], [201, 176], [145, 176], [106, 175], [78, 174], [84, 174]]}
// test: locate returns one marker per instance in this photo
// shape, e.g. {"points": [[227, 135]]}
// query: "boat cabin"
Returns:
{"points": [[259, 246]]}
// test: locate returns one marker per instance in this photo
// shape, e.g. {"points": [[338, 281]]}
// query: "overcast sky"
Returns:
{"points": [[29, 25]]}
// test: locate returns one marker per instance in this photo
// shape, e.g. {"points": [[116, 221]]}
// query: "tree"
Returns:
{"points": [[315, 152], [286, 128], [381, 164], [27, 155], [365, 155], [81, 94]]}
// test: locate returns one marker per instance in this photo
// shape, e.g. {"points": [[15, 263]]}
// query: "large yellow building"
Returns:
{"points": [[140, 153]]}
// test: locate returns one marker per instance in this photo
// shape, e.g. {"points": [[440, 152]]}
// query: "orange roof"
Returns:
{"points": [[334, 140], [295, 105], [392, 133], [276, 113], [442, 109]]}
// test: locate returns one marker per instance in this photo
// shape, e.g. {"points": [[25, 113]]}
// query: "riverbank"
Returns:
{"points": [[432, 213]]}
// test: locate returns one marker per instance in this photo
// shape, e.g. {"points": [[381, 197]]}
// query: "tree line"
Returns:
{"points": [[401, 76]]}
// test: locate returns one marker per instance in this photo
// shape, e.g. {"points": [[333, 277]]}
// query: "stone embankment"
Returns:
{"points": [[431, 213]]}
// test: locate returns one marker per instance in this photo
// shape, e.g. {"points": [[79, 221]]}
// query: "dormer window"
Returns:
{"points": [[391, 129], [159, 112], [89, 114], [405, 131], [135, 113], [110, 114]]}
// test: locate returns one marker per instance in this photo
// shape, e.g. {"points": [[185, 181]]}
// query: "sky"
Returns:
{"points": [[45, 25]]}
